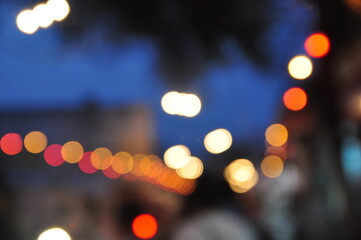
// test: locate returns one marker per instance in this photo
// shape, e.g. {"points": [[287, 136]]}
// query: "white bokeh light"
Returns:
{"points": [[27, 22], [54, 234]]}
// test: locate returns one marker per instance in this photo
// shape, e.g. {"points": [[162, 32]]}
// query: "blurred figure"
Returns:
{"points": [[210, 213]]}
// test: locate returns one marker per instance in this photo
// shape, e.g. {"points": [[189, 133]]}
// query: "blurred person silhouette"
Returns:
{"points": [[211, 213]]}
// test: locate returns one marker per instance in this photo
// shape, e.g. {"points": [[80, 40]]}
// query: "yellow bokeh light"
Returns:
{"points": [[218, 141], [72, 152], [241, 175], [137, 171], [192, 170], [272, 166], [276, 135], [35, 142], [26, 22], [245, 186], [59, 9], [43, 15], [54, 234], [300, 67], [240, 170], [101, 158], [177, 156], [122, 162]]}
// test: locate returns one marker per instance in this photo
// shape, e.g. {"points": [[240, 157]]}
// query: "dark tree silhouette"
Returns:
{"points": [[187, 33]]}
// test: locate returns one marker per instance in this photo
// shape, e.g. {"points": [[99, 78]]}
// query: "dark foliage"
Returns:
{"points": [[187, 33]]}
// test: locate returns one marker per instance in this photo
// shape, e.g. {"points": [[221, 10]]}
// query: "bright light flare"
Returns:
{"points": [[35, 142], [54, 234], [59, 9], [27, 22], [177, 156], [276, 134], [218, 141], [145, 226], [317, 45], [300, 67], [272, 166], [295, 99], [42, 15], [192, 170]]}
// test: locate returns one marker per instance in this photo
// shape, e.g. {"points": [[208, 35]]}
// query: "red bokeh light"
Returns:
{"points": [[110, 173], [11, 143], [86, 165], [52, 155], [317, 45], [144, 226]]}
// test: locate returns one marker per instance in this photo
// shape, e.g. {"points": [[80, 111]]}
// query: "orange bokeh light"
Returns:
{"points": [[144, 226], [11, 143], [295, 99], [317, 45]]}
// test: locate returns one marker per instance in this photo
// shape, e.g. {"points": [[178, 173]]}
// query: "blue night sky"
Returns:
{"points": [[40, 72]]}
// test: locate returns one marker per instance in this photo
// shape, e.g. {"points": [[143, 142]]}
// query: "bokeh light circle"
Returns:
{"points": [[295, 99], [59, 9], [170, 102], [317, 45], [85, 164], [27, 22], [42, 15], [145, 226], [276, 134], [177, 156], [52, 155], [35, 142], [272, 166], [300, 67], [101, 158], [192, 170], [72, 151], [54, 234], [218, 141], [122, 162], [11, 144]]}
